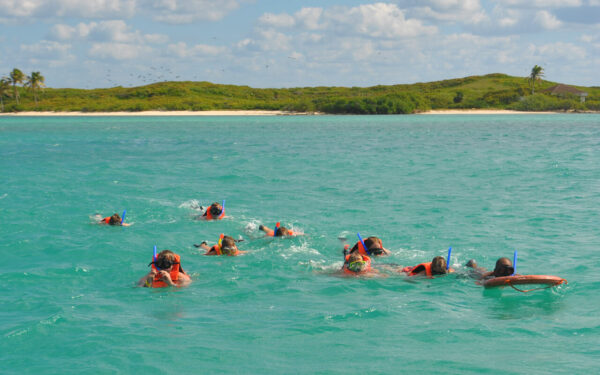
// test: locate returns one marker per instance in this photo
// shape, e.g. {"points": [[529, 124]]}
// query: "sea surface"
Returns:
{"points": [[486, 185]]}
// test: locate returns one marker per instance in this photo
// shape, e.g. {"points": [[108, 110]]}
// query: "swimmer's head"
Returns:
{"points": [[114, 220], [503, 267], [215, 209], [228, 246], [373, 244], [282, 231], [356, 263], [438, 266], [471, 263], [165, 260]]}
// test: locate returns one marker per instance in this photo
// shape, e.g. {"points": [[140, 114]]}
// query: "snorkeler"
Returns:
{"points": [[374, 246], [279, 231], [437, 266], [215, 211], [114, 220], [504, 267], [166, 271], [225, 246], [357, 264]]}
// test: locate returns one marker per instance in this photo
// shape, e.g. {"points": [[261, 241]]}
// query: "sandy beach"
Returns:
{"points": [[480, 112]]}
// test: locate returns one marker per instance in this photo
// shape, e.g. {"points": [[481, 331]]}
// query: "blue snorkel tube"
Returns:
{"points": [[123, 216], [154, 259], [448, 258], [222, 208], [514, 263], [363, 243], [276, 229]]}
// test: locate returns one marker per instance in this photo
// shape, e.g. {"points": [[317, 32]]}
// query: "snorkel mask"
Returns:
{"points": [[357, 266]]}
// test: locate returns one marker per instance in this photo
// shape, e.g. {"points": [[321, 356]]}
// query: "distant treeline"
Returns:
{"points": [[493, 91]]}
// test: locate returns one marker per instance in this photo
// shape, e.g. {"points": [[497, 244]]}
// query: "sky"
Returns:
{"points": [[290, 43]]}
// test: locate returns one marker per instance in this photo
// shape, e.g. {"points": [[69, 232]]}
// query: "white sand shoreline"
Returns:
{"points": [[267, 113], [482, 112]]}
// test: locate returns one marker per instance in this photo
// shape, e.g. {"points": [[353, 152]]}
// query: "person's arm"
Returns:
{"points": [[166, 277], [146, 281], [265, 228], [183, 280]]}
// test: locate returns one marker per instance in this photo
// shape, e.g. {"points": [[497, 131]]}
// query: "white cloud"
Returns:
{"points": [[182, 50], [187, 11], [463, 11], [559, 50], [24, 9], [46, 48], [105, 31], [541, 3], [547, 20], [277, 20], [118, 51], [309, 18], [379, 20]]}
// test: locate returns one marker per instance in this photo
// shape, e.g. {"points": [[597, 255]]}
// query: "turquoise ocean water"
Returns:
{"points": [[485, 185]]}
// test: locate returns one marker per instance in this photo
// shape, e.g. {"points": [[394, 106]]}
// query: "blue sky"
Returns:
{"points": [[289, 43]]}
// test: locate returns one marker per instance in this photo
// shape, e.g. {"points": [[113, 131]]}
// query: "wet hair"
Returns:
{"points": [[504, 267], [165, 259], [471, 263], [282, 231], [228, 245], [216, 209], [374, 246], [438, 266], [114, 220]]}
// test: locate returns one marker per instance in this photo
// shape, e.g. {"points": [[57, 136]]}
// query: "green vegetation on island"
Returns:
{"points": [[492, 91]]}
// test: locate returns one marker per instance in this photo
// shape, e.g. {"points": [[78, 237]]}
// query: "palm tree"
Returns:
{"points": [[537, 72], [36, 83], [4, 91], [16, 76]]}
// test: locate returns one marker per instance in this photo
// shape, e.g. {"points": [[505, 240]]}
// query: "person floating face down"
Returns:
{"points": [[436, 267], [279, 231], [113, 220], [374, 247], [357, 264], [504, 267], [166, 271], [226, 246], [214, 212]]}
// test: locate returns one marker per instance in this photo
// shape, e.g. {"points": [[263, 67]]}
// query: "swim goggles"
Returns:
{"points": [[357, 266]]}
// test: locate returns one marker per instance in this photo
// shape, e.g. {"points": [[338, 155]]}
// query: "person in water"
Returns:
{"points": [[279, 231], [504, 267], [436, 267], [166, 271], [226, 246], [214, 212], [357, 264], [374, 247], [113, 220]]}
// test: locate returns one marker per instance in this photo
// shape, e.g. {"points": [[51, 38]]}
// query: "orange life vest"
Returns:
{"points": [[158, 283], [271, 232], [209, 215], [412, 271], [349, 272], [361, 249], [106, 220], [218, 250]]}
